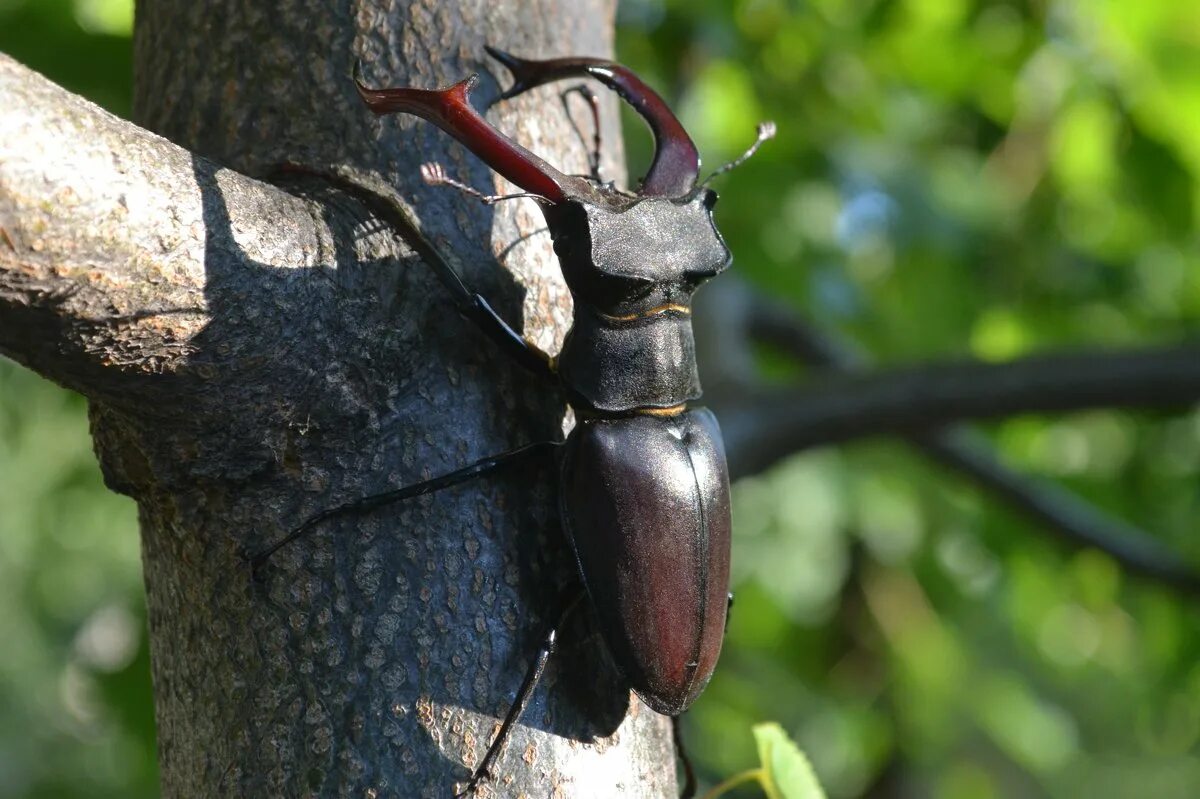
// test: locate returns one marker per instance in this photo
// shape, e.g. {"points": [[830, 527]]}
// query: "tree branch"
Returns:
{"points": [[103, 262], [920, 398], [961, 451]]}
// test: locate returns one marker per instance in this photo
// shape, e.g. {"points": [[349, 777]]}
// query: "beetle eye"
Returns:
{"points": [[710, 199]]}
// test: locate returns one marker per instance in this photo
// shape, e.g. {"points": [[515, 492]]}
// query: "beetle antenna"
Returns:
{"points": [[434, 174], [766, 132]]}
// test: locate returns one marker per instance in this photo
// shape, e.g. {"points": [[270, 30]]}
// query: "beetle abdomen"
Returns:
{"points": [[645, 500]]}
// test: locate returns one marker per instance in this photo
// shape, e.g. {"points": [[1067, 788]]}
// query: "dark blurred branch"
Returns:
{"points": [[925, 397], [958, 449]]}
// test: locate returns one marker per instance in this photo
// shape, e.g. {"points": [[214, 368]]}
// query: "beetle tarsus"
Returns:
{"points": [[434, 174], [478, 777]]}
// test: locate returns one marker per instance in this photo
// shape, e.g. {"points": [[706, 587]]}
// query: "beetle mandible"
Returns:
{"points": [[644, 489]]}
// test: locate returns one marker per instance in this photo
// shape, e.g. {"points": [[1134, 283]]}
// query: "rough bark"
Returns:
{"points": [[253, 354]]}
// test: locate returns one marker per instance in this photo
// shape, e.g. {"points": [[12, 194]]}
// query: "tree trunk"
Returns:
{"points": [[253, 355]]}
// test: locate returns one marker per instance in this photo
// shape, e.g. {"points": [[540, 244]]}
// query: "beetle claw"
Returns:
{"points": [[473, 783]]}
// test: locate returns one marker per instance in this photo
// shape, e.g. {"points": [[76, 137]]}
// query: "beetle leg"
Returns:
{"points": [[366, 504], [434, 174], [594, 104], [471, 305], [728, 611], [689, 774], [532, 676]]}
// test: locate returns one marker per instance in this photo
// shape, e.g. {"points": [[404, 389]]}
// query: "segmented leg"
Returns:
{"points": [[689, 775], [471, 305], [549, 643], [434, 174], [476, 469], [594, 105]]}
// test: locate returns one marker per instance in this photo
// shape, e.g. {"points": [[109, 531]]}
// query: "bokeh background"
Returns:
{"points": [[951, 178]]}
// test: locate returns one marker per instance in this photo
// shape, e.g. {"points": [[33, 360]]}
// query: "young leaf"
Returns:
{"points": [[786, 772]]}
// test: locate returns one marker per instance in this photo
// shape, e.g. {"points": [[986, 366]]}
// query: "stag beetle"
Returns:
{"points": [[644, 490]]}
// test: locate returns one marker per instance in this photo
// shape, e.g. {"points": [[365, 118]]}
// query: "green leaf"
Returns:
{"points": [[786, 772]]}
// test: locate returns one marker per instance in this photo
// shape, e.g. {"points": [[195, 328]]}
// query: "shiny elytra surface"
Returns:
{"points": [[646, 503]]}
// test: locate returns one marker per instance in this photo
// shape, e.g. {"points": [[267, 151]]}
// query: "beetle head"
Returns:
{"points": [[651, 252], [616, 247]]}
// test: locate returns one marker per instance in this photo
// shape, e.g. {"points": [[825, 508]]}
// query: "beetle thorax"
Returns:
{"points": [[632, 272]]}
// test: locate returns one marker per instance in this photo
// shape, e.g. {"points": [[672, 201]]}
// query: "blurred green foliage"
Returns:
{"points": [[76, 717], [951, 177], [957, 178]]}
